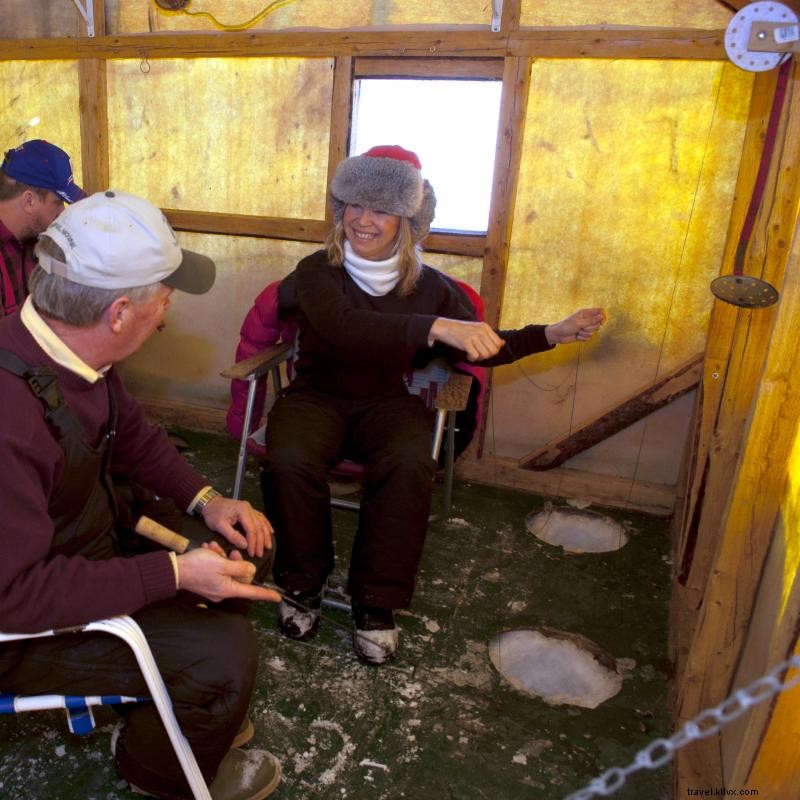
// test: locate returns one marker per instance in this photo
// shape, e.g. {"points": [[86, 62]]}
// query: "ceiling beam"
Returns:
{"points": [[451, 41]]}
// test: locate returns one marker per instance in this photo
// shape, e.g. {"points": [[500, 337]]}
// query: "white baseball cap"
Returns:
{"points": [[115, 240]]}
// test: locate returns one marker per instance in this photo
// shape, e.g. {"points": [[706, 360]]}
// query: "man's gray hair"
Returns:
{"points": [[62, 299]]}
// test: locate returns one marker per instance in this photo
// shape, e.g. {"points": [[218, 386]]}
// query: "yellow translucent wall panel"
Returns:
{"points": [[182, 363], [246, 136], [790, 511], [656, 13], [142, 15], [40, 101], [627, 179]]}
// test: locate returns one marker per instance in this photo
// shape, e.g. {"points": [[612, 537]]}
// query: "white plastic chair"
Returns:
{"points": [[129, 631]]}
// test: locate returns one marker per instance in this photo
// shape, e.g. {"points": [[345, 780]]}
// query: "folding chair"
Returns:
{"points": [[445, 391], [81, 719]]}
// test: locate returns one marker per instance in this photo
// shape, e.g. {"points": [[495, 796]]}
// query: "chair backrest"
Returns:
{"points": [[78, 709], [264, 325]]}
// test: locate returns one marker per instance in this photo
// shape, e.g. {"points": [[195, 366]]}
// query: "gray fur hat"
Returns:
{"points": [[386, 178]]}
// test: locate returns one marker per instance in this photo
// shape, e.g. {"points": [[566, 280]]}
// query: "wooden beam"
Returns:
{"points": [[606, 490], [93, 94], [639, 405], [748, 460], [508, 155], [409, 41], [99, 11], [301, 230], [341, 111], [695, 545], [452, 68]]}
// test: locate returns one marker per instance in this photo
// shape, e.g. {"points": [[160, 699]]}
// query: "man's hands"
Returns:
{"points": [[579, 327], [207, 572], [222, 513], [477, 339]]}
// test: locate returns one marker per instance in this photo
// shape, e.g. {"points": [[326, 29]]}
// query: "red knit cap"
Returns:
{"points": [[396, 152], [386, 178]]}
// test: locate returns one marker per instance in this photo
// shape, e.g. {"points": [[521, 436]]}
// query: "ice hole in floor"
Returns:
{"points": [[577, 530], [557, 666]]}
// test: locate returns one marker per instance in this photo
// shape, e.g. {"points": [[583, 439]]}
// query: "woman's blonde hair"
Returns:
{"points": [[409, 266]]}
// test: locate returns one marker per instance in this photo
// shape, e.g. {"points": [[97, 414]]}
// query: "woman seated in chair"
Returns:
{"points": [[368, 309]]}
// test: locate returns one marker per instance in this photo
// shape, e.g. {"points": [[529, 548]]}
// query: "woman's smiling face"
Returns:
{"points": [[371, 234]]}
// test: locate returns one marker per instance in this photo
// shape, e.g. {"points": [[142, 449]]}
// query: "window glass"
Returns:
{"points": [[450, 124]]}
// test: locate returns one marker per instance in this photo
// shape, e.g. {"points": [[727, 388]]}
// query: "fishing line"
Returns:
{"points": [[678, 271]]}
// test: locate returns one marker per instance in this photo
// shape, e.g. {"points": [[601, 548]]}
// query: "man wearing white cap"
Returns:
{"points": [[35, 183], [107, 269]]}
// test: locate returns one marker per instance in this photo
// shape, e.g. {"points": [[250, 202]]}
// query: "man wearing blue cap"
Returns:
{"points": [[35, 182]]}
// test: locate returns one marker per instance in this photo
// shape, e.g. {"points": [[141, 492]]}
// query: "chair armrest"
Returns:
{"points": [[454, 394], [261, 363]]}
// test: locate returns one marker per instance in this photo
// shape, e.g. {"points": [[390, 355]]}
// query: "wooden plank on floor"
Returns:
{"points": [[637, 406], [607, 490]]}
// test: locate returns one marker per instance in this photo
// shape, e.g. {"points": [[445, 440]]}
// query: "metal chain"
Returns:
{"points": [[708, 722]]}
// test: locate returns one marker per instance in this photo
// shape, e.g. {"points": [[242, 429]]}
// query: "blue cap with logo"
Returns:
{"points": [[45, 166]]}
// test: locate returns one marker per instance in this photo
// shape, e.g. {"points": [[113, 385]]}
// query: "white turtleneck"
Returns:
{"points": [[374, 277]]}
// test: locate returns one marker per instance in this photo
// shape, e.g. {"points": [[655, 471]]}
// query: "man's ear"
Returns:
{"points": [[117, 313], [28, 200]]}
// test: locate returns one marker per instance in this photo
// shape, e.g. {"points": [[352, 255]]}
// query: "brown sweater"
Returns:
{"points": [[39, 591], [352, 344]]}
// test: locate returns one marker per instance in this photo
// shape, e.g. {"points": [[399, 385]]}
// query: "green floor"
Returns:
{"points": [[439, 723]]}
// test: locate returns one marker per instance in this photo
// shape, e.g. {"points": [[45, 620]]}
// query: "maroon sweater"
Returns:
{"points": [[39, 591]]}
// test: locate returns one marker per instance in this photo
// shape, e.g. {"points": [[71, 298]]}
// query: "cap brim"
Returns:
{"points": [[72, 193], [195, 274]]}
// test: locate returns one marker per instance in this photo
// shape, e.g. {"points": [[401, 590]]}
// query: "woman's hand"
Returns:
{"points": [[207, 572], [477, 339], [222, 513], [579, 327]]}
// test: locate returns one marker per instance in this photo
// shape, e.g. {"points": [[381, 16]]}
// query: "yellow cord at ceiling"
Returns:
{"points": [[183, 8]]}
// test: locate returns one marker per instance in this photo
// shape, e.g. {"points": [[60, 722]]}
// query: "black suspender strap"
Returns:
{"points": [[43, 384]]}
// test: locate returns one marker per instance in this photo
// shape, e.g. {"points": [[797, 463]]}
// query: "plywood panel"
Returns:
{"points": [[624, 194], [30, 19], [135, 16], [661, 13], [245, 136], [39, 100], [183, 362]]}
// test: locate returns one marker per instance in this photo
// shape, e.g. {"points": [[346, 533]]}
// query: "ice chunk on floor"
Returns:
{"points": [[559, 667], [577, 531]]}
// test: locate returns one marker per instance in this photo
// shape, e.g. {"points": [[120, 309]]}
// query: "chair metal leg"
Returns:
{"points": [[248, 416], [129, 631], [339, 605], [444, 430], [449, 466]]}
